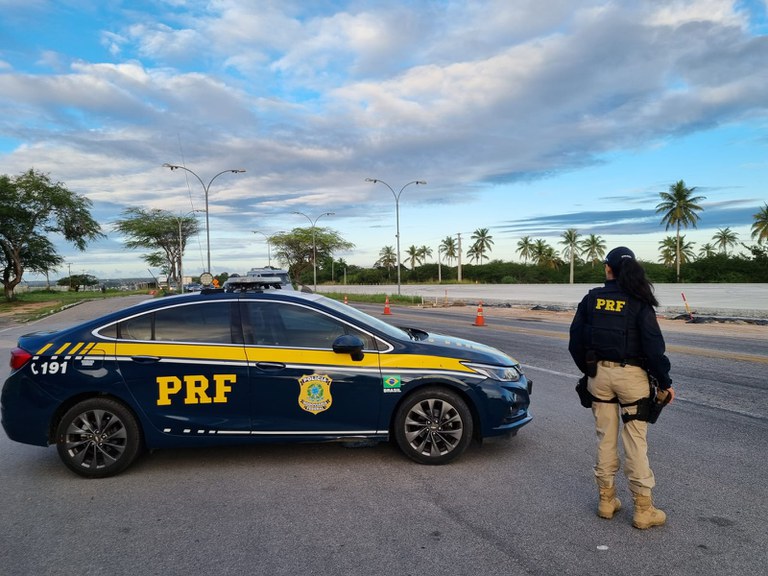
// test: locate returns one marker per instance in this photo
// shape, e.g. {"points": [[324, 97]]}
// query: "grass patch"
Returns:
{"points": [[373, 298]]}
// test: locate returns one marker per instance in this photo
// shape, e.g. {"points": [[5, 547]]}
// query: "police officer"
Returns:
{"points": [[616, 341]]}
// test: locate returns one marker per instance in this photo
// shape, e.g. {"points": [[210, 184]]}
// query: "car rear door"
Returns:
{"points": [[186, 368]]}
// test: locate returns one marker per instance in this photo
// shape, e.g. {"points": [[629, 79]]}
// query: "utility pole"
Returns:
{"points": [[459, 268]]}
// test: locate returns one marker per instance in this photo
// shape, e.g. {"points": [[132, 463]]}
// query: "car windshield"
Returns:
{"points": [[367, 319]]}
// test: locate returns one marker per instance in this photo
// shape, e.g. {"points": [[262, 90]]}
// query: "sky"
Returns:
{"points": [[525, 117]]}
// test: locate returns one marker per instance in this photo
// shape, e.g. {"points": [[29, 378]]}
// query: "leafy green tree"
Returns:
{"points": [[593, 248], [448, 249], [525, 247], [571, 242], [32, 206], [725, 238], [760, 225], [160, 231], [77, 280], [483, 242], [295, 248], [679, 208]]}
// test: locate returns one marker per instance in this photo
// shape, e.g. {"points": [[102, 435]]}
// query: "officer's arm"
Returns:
{"points": [[577, 344], [654, 347]]}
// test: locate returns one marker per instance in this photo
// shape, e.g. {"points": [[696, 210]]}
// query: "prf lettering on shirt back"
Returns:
{"points": [[195, 388], [609, 305]]}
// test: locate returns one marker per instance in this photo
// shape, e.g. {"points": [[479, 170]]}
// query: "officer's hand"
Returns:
{"points": [[665, 396]]}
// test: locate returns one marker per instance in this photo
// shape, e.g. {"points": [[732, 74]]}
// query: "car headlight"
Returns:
{"points": [[500, 373]]}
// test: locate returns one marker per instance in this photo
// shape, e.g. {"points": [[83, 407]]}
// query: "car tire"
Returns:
{"points": [[98, 437], [433, 426]]}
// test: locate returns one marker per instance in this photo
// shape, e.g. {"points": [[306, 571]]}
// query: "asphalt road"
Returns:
{"points": [[519, 506]]}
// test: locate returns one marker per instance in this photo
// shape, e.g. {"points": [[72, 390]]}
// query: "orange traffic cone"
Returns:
{"points": [[345, 299], [387, 311], [479, 320]]}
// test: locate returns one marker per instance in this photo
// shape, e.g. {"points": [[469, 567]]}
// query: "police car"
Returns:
{"points": [[258, 277], [220, 368]]}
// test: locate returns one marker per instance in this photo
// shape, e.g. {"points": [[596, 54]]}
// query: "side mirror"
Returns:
{"points": [[349, 344]]}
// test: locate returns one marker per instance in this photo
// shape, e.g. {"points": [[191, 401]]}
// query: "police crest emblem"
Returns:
{"points": [[315, 393]]}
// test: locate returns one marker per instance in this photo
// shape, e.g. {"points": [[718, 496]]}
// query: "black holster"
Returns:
{"points": [[648, 409], [586, 397], [591, 359]]}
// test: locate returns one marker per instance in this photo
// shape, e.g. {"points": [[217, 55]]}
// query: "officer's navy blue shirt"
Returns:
{"points": [[620, 328]]}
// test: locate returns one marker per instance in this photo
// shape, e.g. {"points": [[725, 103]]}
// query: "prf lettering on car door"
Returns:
{"points": [[196, 389]]}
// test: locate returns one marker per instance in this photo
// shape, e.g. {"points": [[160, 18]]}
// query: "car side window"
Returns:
{"points": [[202, 322], [281, 324]]}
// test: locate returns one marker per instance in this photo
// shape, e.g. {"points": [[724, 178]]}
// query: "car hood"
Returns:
{"points": [[442, 345]]}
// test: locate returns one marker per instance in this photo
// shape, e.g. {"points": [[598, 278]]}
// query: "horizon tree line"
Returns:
{"points": [[679, 208]]}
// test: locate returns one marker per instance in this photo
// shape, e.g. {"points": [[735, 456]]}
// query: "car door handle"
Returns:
{"points": [[270, 365], [145, 359]]}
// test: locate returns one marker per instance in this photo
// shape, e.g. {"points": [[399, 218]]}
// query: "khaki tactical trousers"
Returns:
{"points": [[628, 384]]}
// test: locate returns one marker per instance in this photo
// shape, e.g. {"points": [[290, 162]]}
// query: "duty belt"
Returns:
{"points": [[629, 362]]}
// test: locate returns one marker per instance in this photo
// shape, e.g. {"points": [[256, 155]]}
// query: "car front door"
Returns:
{"points": [[300, 385]]}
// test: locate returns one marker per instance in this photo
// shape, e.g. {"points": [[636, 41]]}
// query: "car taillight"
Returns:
{"points": [[19, 357]]}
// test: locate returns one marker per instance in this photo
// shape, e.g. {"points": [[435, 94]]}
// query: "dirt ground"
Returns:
{"points": [[21, 312]]}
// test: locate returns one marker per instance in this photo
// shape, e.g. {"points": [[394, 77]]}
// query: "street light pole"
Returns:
{"points": [[269, 254], [314, 245], [206, 188], [397, 216]]}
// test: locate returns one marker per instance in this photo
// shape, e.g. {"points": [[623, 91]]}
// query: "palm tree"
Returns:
{"points": [[724, 238], [551, 258], [760, 225], [424, 253], [448, 249], [707, 251], [387, 258], [474, 254], [525, 248], [593, 248], [544, 255], [571, 242], [414, 256], [679, 208], [669, 250], [483, 243]]}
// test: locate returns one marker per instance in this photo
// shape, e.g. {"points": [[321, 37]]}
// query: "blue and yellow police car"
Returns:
{"points": [[264, 365]]}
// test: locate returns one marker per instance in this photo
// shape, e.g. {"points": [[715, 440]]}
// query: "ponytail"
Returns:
{"points": [[633, 281]]}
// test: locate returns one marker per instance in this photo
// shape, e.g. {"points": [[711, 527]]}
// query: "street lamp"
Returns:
{"points": [[314, 245], [397, 216], [206, 189], [269, 255]]}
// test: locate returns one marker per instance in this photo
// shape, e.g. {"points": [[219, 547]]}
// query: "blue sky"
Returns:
{"points": [[522, 120]]}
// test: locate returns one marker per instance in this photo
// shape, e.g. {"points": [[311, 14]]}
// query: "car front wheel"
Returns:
{"points": [[433, 426], [98, 437]]}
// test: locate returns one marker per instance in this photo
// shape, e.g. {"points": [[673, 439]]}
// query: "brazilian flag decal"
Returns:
{"points": [[391, 383]]}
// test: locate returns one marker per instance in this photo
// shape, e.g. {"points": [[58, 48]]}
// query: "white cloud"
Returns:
{"points": [[467, 95]]}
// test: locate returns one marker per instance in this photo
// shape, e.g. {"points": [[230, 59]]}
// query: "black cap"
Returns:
{"points": [[616, 257]]}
